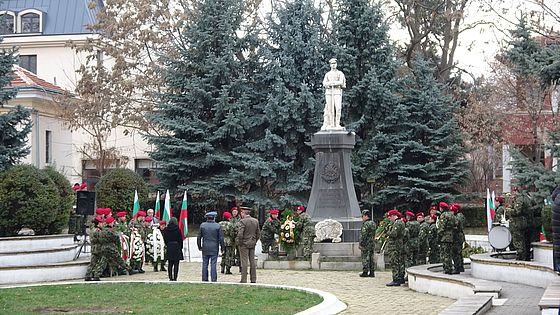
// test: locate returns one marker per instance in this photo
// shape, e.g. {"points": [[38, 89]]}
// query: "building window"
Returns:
{"points": [[7, 23], [48, 147], [31, 23], [28, 62], [147, 168]]}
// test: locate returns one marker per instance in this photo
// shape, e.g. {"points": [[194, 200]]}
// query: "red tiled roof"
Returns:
{"points": [[26, 78]]}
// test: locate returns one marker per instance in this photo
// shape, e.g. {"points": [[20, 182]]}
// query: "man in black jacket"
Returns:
{"points": [[209, 241]]}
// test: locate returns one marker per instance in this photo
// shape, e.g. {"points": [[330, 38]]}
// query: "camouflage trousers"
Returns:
{"points": [[115, 261], [97, 264], [270, 246], [307, 241], [228, 258], [458, 255], [433, 254], [446, 251], [411, 253], [397, 257], [422, 254], [522, 244], [136, 264], [368, 262]]}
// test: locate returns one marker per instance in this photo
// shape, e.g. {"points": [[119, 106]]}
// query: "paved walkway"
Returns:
{"points": [[521, 300], [362, 295]]}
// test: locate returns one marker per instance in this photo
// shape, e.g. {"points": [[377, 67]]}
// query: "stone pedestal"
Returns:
{"points": [[332, 194]]}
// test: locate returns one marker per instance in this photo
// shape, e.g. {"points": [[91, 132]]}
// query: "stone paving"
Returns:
{"points": [[521, 300], [362, 295]]}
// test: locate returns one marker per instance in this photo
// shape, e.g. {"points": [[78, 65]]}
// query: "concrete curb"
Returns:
{"points": [[330, 305]]}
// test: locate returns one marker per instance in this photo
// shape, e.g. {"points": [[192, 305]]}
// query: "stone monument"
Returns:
{"points": [[332, 194]]}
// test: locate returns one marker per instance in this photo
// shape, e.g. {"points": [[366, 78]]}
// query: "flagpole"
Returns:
{"points": [[188, 242]]}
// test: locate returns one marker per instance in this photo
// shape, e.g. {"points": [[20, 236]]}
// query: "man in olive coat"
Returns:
{"points": [[247, 236], [210, 239]]}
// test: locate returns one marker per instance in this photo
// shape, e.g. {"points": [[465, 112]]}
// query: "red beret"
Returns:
{"points": [[433, 208], [109, 220], [455, 207], [433, 216], [443, 205], [500, 199], [409, 213], [162, 222], [83, 186], [121, 214], [300, 208], [148, 219], [100, 211], [226, 215], [274, 211], [76, 187], [141, 214], [394, 212], [233, 208], [420, 214], [99, 219]]}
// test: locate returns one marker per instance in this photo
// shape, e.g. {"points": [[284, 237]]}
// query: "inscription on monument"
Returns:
{"points": [[331, 198]]}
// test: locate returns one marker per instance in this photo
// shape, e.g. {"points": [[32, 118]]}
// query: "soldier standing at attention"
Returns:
{"points": [[521, 217], [306, 231], [500, 213], [98, 262], [447, 227], [459, 239], [423, 234], [270, 229], [110, 248], [228, 231], [412, 244], [367, 245], [395, 247], [235, 218], [433, 242]]}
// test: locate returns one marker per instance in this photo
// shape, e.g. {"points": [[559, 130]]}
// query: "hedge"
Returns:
{"points": [[28, 198], [475, 215], [67, 199], [116, 188]]}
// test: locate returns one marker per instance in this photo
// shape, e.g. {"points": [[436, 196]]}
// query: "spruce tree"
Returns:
{"points": [[15, 125], [419, 147], [366, 57], [294, 66], [206, 113]]}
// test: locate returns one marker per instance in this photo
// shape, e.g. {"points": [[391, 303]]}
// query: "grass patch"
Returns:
{"points": [[145, 298]]}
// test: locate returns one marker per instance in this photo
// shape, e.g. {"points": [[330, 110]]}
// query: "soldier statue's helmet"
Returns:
{"points": [[274, 211], [365, 212], [332, 60], [226, 215]]}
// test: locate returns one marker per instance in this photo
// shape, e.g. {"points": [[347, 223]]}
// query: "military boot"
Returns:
{"points": [[162, 267], [228, 271], [223, 269], [393, 284], [371, 274], [364, 274], [155, 268]]}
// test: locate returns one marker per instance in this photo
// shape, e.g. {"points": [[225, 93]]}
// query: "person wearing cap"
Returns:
{"points": [[411, 246], [137, 250], [499, 216], [306, 231], [447, 227], [248, 234], [433, 242], [235, 218], [333, 82], [459, 239], [367, 245], [209, 241], [121, 228], [270, 233], [228, 255], [423, 233], [111, 250], [97, 262], [395, 247], [521, 219]]}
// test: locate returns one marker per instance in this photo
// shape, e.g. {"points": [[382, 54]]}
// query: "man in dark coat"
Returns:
{"points": [[174, 243], [210, 239], [247, 236], [556, 228]]}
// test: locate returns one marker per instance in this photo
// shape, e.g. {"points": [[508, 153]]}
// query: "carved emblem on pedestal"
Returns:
{"points": [[328, 229], [330, 173]]}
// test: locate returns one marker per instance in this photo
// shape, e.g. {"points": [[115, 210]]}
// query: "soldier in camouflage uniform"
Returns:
{"points": [[447, 227], [458, 240], [121, 228], [395, 247], [229, 233], [520, 224], [423, 234], [306, 230], [269, 233], [110, 248], [98, 262], [367, 245], [433, 242], [235, 218], [413, 228], [500, 210]]}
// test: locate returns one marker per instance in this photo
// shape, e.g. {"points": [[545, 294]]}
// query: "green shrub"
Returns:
{"points": [[115, 190], [475, 215], [468, 251], [546, 215], [27, 198], [67, 199]]}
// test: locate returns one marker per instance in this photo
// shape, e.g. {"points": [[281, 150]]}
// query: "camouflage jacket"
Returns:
{"points": [[270, 228], [396, 234], [367, 235], [446, 226], [304, 225], [95, 238], [121, 228], [423, 234], [461, 225], [228, 231]]}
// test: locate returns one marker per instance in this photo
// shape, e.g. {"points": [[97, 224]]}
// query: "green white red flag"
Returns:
{"points": [[157, 207], [183, 217], [136, 206], [167, 207], [490, 209]]}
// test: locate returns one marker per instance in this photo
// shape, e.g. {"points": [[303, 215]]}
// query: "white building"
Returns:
{"points": [[41, 30]]}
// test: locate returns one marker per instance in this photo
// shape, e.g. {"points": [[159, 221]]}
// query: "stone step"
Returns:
{"points": [[469, 305], [43, 273], [38, 256], [550, 300], [29, 243], [341, 259]]}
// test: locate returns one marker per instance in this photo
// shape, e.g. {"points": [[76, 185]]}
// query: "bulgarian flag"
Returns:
{"points": [[157, 208], [136, 207], [490, 209], [183, 224], [542, 238], [167, 207]]}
